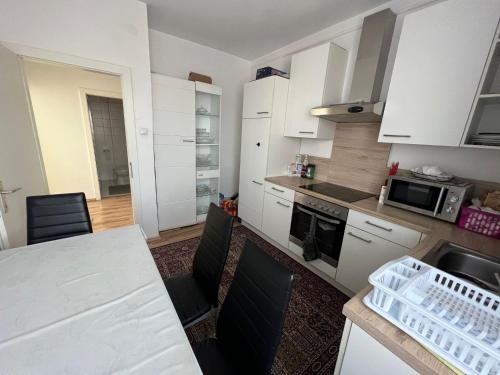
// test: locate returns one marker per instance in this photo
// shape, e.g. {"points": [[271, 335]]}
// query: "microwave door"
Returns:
{"points": [[417, 197]]}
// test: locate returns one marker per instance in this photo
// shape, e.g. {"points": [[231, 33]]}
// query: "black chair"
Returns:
{"points": [[195, 295], [52, 217], [251, 318]]}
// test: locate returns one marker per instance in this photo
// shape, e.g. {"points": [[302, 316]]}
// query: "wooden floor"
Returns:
{"points": [[179, 234], [111, 212]]}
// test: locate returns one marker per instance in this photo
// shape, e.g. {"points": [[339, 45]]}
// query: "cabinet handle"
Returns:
{"points": [[282, 204], [398, 135], [359, 238], [256, 182], [378, 226], [304, 132], [262, 113], [188, 140], [278, 190]]}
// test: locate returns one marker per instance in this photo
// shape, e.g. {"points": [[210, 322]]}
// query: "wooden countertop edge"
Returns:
{"points": [[391, 337]]}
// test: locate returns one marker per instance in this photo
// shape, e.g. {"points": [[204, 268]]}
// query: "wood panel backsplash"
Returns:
{"points": [[358, 160]]}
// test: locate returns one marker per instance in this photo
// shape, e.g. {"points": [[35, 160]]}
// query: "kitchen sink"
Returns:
{"points": [[467, 264]]}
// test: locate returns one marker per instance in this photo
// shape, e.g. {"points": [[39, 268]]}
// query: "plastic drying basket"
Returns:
{"points": [[484, 222], [455, 319]]}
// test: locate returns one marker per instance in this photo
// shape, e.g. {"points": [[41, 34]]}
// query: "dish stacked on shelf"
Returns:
{"points": [[204, 190], [486, 139], [203, 137]]}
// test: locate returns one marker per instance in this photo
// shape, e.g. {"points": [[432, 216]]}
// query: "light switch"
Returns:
{"points": [[143, 131]]}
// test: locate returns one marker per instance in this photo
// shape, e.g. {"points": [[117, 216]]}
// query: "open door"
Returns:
{"points": [[21, 168]]}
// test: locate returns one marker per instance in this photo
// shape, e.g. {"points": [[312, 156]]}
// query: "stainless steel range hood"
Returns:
{"points": [[364, 102]]}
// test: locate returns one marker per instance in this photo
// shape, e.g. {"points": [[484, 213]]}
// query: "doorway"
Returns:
{"points": [[110, 145], [79, 120]]}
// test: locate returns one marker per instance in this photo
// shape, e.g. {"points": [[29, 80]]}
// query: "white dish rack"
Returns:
{"points": [[453, 318]]}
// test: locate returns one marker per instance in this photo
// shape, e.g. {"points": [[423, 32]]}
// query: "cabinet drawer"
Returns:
{"points": [[277, 218], [279, 191], [393, 232], [361, 254]]}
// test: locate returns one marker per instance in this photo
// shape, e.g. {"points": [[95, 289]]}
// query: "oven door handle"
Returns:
{"points": [[438, 203], [331, 221]]}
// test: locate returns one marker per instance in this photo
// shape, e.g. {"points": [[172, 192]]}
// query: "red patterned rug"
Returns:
{"points": [[314, 322]]}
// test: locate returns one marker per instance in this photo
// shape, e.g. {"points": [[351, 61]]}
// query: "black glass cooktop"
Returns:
{"points": [[338, 192]]}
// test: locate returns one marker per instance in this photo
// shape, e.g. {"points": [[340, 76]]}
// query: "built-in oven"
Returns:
{"points": [[324, 221], [441, 200]]}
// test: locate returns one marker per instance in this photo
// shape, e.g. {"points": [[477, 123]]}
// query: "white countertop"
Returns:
{"points": [[92, 304]]}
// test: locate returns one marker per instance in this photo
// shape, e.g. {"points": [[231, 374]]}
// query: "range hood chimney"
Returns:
{"points": [[364, 101]]}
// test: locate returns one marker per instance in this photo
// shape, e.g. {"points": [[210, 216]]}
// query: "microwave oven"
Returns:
{"points": [[441, 200]]}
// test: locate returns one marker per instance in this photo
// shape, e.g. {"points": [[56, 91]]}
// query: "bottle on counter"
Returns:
{"points": [[311, 170], [298, 164], [305, 163]]}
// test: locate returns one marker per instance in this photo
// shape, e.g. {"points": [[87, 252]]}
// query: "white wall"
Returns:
{"points": [[460, 161], [177, 57], [113, 32], [57, 106]]}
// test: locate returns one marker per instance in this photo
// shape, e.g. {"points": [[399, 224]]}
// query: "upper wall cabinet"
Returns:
{"points": [[316, 78], [258, 98], [442, 52]]}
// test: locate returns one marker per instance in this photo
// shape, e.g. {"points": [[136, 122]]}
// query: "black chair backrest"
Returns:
{"points": [[212, 251], [51, 217], [252, 315]]}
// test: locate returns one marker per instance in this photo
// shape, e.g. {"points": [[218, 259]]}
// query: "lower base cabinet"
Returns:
{"points": [[365, 355], [362, 253], [276, 218]]}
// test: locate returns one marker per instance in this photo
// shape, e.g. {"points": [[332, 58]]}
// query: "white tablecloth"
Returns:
{"points": [[92, 304]]}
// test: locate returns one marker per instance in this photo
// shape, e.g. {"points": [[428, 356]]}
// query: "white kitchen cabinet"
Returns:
{"points": [[258, 98], [387, 230], [253, 165], [277, 218], [186, 127], [174, 149], [361, 254], [365, 355], [316, 78], [264, 149], [279, 191], [440, 58]]}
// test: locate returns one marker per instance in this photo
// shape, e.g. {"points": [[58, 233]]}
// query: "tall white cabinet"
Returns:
{"points": [[264, 149], [186, 148]]}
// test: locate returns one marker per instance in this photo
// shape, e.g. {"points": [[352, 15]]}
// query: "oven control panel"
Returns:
{"points": [[328, 208]]}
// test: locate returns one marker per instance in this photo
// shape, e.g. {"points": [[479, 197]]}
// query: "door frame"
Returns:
{"points": [[4, 238], [88, 129], [125, 75]]}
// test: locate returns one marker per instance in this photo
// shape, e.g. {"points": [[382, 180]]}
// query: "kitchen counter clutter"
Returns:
{"points": [[433, 231]]}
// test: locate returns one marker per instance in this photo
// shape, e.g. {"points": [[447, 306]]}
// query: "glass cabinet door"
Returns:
{"points": [[207, 151]]}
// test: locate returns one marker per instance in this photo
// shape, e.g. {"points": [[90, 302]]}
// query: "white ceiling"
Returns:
{"points": [[250, 28]]}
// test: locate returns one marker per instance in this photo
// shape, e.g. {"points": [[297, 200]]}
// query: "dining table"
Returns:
{"points": [[90, 304]]}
